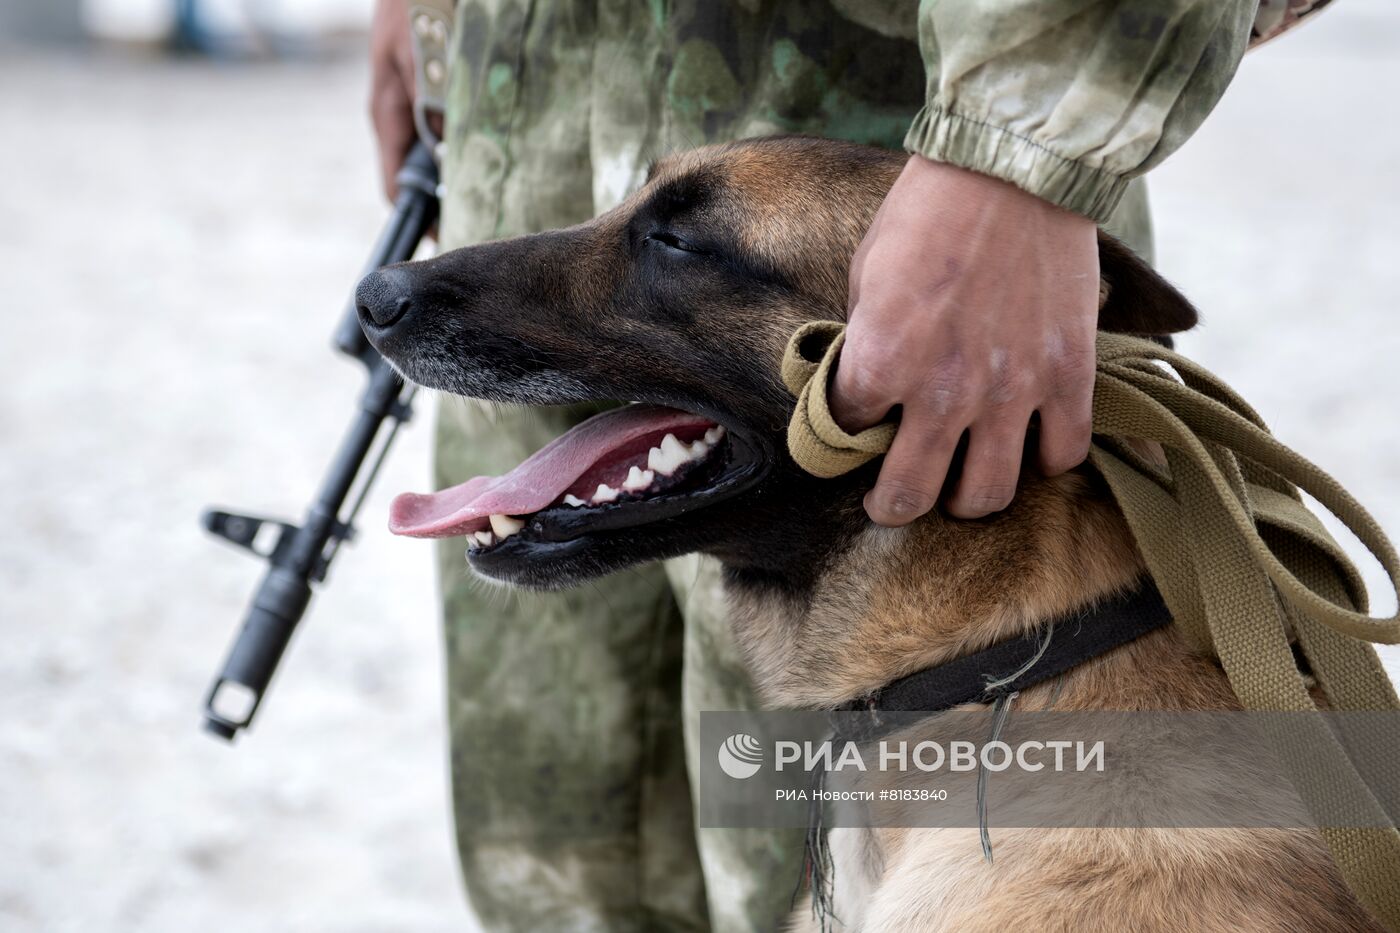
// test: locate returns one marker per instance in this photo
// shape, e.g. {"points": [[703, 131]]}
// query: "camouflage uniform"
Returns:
{"points": [[566, 710]]}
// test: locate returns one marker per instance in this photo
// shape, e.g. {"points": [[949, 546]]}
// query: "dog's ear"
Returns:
{"points": [[1137, 299]]}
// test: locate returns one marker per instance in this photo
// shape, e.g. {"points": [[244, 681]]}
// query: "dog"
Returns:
{"points": [[682, 300]]}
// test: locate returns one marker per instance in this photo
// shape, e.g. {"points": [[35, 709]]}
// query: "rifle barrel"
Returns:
{"points": [[304, 555]]}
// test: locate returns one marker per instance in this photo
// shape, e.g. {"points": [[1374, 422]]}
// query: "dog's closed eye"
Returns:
{"points": [[671, 241]]}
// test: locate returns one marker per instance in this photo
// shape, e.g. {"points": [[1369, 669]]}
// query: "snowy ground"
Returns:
{"points": [[175, 242]]}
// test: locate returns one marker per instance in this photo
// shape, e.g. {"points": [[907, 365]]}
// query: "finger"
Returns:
{"points": [[913, 472], [1066, 419], [992, 466], [860, 393], [392, 113], [403, 60], [1065, 435], [853, 278]]}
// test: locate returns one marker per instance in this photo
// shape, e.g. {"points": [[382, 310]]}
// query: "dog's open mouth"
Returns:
{"points": [[632, 465]]}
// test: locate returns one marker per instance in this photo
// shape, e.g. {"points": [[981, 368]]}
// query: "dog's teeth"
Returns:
{"points": [[574, 501], [638, 479], [656, 461], [667, 458], [605, 493], [671, 446], [713, 435], [504, 526], [481, 539], [698, 450]]}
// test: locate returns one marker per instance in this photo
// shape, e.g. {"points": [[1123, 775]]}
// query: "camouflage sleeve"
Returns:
{"points": [[1070, 99]]}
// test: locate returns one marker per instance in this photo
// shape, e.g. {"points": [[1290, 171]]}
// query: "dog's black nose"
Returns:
{"points": [[384, 298]]}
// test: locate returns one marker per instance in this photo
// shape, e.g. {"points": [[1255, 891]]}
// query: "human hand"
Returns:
{"points": [[391, 88], [972, 306]]}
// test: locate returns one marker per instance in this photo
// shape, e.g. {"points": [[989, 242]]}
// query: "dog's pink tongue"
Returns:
{"points": [[540, 480]]}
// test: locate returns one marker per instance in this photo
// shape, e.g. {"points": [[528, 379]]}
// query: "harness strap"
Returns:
{"points": [[1241, 564], [430, 23]]}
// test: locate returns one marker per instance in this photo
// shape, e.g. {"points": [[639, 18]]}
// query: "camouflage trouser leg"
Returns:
{"points": [[750, 874]]}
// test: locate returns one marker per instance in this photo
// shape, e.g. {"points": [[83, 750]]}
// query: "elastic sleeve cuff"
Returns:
{"points": [[991, 150]]}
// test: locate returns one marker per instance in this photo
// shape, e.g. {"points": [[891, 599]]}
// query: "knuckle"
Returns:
{"points": [[860, 387], [1070, 372], [1010, 385], [984, 499], [902, 498], [873, 353], [864, 373], [949, 388], [945, 399]]}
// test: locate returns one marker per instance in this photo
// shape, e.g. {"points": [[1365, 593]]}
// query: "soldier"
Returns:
{"points": [[1028, 123]]}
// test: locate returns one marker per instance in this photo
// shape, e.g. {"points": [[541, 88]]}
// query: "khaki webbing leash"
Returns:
{"points": [[1240, 561]]}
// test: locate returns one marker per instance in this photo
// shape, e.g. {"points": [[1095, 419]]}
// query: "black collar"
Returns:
{"points": [[980, 677], [983, 677]]}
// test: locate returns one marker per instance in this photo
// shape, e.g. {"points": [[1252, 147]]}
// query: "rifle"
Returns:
{"points": [[300, 555]]}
